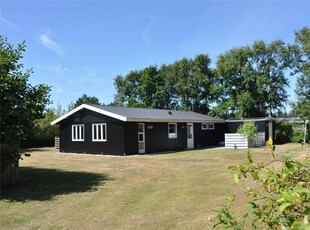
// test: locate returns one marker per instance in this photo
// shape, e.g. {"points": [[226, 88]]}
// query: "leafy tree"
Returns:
{"points": [[126, 88], [151, 91], [194, 81], [86, 100], [252, 81], [281, 199], [43, 133], [185, 84], [302, 62], [20, 102], [248, 129], [283, 132]]}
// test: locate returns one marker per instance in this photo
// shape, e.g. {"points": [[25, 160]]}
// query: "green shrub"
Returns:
{"points": [[281, 199], [298, 136], [283, 132]]}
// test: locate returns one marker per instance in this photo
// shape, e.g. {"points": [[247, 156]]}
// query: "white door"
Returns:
{"points": [[190, 136], [141, 137]]}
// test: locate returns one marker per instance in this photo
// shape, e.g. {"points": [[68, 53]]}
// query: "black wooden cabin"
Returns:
{"points": [[125, 131]]}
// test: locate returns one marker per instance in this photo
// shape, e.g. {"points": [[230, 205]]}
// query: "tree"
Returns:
{"points": [[280, 199], [126, 89], [252, 81], [43, 133], [194, 82], [302, 106], [185, 84], [20, 102], [86, 100]]}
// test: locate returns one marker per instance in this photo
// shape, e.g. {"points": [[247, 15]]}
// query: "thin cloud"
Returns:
{"points": [[8, 24], [146, 35], [89, 75], [58, 69], [47, 40]]}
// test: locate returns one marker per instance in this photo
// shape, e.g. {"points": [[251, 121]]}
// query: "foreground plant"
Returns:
{"points": [[281, 201]]}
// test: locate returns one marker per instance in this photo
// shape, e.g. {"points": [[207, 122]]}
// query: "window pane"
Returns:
{"points": [[74, 132], [99, 134], [95, 132], [140, 128], [103, 132], [171, 128], [140, 137], [189, 135]]}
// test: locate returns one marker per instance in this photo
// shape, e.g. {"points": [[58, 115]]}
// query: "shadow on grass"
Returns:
{"points": [[44, 184]]}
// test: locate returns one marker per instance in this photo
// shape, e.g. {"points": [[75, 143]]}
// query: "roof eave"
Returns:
{"points": [[173, 120], [252, 119], [89, 107]]}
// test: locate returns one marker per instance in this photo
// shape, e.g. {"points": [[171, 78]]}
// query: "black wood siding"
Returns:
{"points": [[131, 138], [205, 138], [115, 134], [157, 140]]}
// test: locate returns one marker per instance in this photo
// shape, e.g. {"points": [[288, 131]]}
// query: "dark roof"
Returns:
{"points": [[144, 115], [251, 119], [290, 119]]}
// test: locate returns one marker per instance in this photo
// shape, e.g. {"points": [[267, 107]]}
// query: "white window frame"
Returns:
{"points": [[204, 128], [79, 131], [175, 134], [100, 132], [213, 126]]}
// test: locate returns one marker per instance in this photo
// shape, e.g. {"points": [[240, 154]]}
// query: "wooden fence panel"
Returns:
{"points": [[57, 143], [239, 141]]}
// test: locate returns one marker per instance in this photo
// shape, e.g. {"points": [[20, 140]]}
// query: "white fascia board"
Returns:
{"points": [[104, 112], [67, 115], [172, 121], [89, 107]]}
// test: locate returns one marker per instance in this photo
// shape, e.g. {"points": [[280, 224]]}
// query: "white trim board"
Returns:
{"points": [[89, 107]]}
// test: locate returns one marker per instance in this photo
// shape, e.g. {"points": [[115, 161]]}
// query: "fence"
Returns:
{"points": [[57, 143], [239, 141]]}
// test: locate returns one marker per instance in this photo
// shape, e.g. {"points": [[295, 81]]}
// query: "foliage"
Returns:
{"points": [[226, 218], [282, 201], [283, 132], [43, 133], [248, 129], [302, 67], [84, 99], [252, 81], [298, 136], [187, 84], [20, 102]]}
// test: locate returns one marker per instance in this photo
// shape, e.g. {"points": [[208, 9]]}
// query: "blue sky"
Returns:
{"points": [[81, 46]]}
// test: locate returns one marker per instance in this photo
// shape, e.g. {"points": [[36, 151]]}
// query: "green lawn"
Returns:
{"points": [[160, 191]]}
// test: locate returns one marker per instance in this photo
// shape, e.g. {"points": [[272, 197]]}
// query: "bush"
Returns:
{"points": [[298, 136], [280, 201], [283, 132], [43, 133]]}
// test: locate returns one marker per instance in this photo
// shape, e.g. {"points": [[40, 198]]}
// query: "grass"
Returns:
{"points": [[160, 191]]}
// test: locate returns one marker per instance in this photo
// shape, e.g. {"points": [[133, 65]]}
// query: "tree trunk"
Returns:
{"points": [[9, 176]]}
